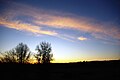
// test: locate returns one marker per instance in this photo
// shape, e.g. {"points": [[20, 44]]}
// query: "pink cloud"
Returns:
{"points": [[60, 20], [25, 27]]}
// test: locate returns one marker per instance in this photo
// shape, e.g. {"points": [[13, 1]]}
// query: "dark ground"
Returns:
{"points": [[96, 70]]}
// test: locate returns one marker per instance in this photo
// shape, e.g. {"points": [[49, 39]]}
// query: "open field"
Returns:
{"points": [[96, 70]]}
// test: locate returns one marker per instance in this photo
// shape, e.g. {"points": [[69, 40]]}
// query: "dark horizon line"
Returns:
{"points": [[65, 63]]}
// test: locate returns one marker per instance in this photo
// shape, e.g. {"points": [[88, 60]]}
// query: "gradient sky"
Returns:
{"points": [[77, 29]]}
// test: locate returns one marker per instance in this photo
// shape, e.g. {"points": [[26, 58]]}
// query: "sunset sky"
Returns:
{"points": [[78, 30]]}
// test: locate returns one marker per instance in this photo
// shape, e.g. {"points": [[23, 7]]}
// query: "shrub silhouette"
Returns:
{"points": [[8, 56], [44, 49], [19, 54]]}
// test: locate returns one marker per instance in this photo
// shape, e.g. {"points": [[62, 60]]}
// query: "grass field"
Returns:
{"points": [[95, 70]]}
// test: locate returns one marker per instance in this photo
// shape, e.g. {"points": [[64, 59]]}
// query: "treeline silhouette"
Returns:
{"points": [[87, 70], [21, 54]]}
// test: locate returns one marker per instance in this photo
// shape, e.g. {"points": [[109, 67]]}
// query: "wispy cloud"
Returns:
{"points": [[53, 19], [82, 25], [25, 27], [82, 38]]}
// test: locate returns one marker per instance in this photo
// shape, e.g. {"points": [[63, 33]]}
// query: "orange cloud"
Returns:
{"points": [[82, 38], [25, 27], [58, 20], [81, 25]]}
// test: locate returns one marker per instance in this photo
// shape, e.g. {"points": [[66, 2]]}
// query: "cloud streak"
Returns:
{"points": [[25, 27], [82, 25], [53, 19], [82, 38]]}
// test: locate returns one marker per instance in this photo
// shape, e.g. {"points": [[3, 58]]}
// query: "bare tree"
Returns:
{"points": [[44, 50], [20, 54]]}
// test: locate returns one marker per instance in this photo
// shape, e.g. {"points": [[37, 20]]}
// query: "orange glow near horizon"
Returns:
{"points": [[32, 61]]}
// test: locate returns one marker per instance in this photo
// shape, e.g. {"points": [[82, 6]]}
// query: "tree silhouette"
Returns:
{"points": [[8, 56], [20, 54], [44, 50]]}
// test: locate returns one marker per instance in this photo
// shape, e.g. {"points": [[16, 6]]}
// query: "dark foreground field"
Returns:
{"points": [[97, 70]]}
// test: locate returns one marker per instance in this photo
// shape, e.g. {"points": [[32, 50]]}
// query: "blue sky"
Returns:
{"points": [[77, 29]]}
